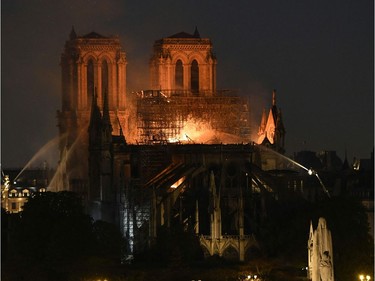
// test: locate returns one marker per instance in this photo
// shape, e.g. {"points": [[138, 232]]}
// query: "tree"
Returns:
{"points": [[109, 243], [51, 237]]}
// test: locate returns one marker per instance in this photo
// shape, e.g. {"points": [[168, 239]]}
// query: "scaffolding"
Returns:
{"points": [[162, 115], [161, 118]]}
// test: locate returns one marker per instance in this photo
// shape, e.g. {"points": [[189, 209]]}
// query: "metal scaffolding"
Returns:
{"points": [[162, 115]]}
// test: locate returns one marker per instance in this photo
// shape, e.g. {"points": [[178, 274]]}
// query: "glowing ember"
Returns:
{"points": [[178, 183]]}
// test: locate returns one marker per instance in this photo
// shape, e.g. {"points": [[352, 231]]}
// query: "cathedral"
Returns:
{"points": [[179, 152]]}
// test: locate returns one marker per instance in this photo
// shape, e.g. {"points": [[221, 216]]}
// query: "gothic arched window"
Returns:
{"points": [[90, 81], [179, 75], [194, 77]]}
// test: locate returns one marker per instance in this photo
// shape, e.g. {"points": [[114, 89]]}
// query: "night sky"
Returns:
{"points": [[318, 54]]}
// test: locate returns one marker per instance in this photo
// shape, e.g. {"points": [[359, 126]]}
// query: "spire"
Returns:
{"points": [[95, 123], [270, 127], [263, 122], [345, 165], [262, 127], [279, 121], [73, 34], [95, 112], [196, 33], [214, 209], [106, 118], [122, 137], [119, 124], [274, 107], [274, 97], [212, 189], [212, 184]]}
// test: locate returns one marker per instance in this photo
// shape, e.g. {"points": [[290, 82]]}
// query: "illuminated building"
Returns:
{"points": [[17, 188], [179, 153], [184, 63], [271, 130], [90, 64], [183, 104], [211, 189], [271, 134]]}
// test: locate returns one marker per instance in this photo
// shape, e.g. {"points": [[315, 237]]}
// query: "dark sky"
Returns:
{"points": [[318, 54]]}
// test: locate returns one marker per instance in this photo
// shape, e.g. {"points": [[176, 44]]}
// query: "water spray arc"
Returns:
{"points": [[42, 151], [57, 181], [310, 171]]}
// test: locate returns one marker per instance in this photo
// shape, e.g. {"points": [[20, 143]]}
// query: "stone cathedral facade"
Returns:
{"points": [[132, 156], [184, 62], [91, 65], [183, 93]]}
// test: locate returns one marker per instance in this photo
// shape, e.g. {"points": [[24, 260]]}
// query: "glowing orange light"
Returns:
{"points": [[178, 183]]}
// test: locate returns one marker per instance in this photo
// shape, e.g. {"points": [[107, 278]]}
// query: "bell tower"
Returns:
{"points": [[91, 65], [92, 62], [183, 63]]}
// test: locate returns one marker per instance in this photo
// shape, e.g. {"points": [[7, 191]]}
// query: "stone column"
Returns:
{"points": [[121, 73], [112, 87], [161, 75], [71, 85], [85, 101], [80, 104], [168, 76], [187, 76], [98, 83]]}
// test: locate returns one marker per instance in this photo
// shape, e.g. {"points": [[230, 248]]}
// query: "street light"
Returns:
{"points": [[362, 277], [252, 278]]}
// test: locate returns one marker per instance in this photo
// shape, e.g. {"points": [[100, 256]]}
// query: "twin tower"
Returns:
{"points": [[93, 65], [183, 103], [182, 63]]}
